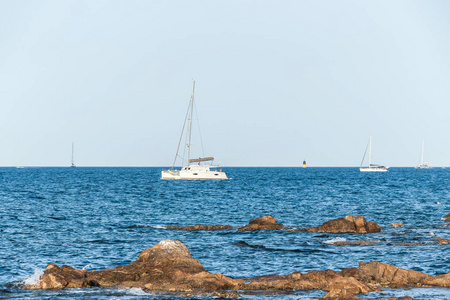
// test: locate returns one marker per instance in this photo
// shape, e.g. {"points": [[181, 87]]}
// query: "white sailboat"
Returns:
{"points": [[195, 168], [72, 165], [372, 167], [423, 165]]}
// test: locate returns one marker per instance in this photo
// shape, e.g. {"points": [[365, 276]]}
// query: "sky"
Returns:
{"points": [[277, 82]]}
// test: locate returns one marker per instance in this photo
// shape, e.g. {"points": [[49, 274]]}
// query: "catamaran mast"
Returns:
{"points": [[72, 156], [370, 152], [421, 158], [190, 123]]}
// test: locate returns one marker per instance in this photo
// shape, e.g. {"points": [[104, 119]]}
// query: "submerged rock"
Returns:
{"points": [[396, 224], [443, 241], [262, 223], [348, 224], [447, 218], [201, 227], [354, 243]]}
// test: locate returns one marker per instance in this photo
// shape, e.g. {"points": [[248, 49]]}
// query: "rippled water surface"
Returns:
{"points": [[97, 218]]}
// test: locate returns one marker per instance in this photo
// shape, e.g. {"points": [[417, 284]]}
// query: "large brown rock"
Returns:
{"points": [[441, 280], [262, 223], [314, 280], [348, 224], [386, 275], [201, 227], [166, 266]]}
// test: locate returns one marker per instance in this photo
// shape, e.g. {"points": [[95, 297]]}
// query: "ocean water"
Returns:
{"points": [[98, 218]]}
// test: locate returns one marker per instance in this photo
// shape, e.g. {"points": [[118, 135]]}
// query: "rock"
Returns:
{"points": [[386, 275], [447, 218], [166, 266], [262, 223], [354, 243], [348, 224], [340, 294], [443, 241], [441, 280], [396, 224], [201, 227]]}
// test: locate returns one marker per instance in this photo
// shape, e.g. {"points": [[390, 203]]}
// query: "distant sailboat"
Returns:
{"points": [[372, 167], [423, 165], [194, 169], [73, 165]]}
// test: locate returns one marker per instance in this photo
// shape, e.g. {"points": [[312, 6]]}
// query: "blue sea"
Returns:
{"points": [[98, 218]]}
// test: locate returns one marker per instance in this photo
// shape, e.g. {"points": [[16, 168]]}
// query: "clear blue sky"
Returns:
{"points": [[276, 81]]}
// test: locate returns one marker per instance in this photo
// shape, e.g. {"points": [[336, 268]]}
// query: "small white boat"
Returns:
{"points": [[423, 165], [372, 167], [195, 168]]}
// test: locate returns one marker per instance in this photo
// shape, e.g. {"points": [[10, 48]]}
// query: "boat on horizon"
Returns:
{"points": [[195, 168], [423, 165], [372, 167], [72, 165]]}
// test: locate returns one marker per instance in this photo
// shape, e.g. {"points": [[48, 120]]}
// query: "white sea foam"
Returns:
{"points": [[334, 240], [159, 226], [88, 266], [34, 279], [136, 292]]}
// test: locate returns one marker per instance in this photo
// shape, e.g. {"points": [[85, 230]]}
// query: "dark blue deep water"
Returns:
{"points": [[98, 218]]}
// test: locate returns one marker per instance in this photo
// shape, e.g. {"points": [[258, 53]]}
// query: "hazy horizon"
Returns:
{"points": [[277, 82]]}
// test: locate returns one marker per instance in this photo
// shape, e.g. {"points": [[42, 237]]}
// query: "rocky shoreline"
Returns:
{"points": [[168, 268]]}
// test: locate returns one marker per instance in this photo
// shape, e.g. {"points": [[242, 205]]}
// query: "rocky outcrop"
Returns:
{"points": [[201, 227], [262, 223], [396, 224], [348, 224], [166, 266], [386, 275], [169, 268], [447, 218]]}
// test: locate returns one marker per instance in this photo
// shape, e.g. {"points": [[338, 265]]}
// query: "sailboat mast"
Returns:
{"points": [[421, 158], [190, 123], [370, 151], [72, 155]]}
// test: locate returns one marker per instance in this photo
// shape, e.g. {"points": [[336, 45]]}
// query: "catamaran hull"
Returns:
{"points": [[373, 170], [193, 175]]}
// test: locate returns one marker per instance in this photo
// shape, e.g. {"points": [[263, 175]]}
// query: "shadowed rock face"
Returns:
{"points": [[348, 224], [262, 223], [447, 218], [201, 227], [169, 268]]}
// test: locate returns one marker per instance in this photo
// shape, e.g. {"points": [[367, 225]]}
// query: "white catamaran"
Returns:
{"points": [[423, 165], [195, 168], [372, 167]]}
